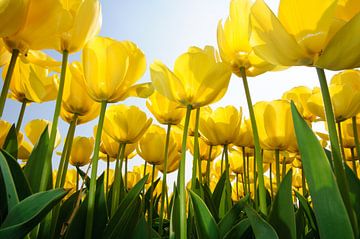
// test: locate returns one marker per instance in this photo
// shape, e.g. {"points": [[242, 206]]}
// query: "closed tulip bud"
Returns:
{"points": [[140, 170], [32, 83], [221, 126], [297, 178], [343, 109], [198, 78], [25, 149], [75, 99], [81, 150], [111, 69], [164, 110], [275, 125], [38, 26], [300, 95], [132, 179], [234, 41], [5, 127], [245, 136], [153, 140], [34, 129], [268, 156], [125, 124], [236, 161]]}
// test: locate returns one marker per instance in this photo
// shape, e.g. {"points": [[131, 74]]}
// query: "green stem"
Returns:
{"points": [[117, 179], [255, 188], [47, 163], [163, 190], [242, 179], [283, 172], [181, 178], [126, 172], [258, 157], [92, 190], [150, 220], [77, 178], [107, 175], [9, 73], [21, 116], [222, 162], [277, 165], [248, 173], [356, 136], [341, 141], [208, 166], [271, 186], [335, 148], [245, 171], [196, 151], [237, 186], [303, 181], [353, 161], [227, 181]]}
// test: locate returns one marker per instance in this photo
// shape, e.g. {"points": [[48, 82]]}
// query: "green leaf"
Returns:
{"points": [[309, 213], [121, 225], [328, 205], [300, 223], [209, 202], [206, 226], [175, 215], [12, 198], [11, 143], [238, 230], [34, 168], [29, 212], [282, 215], [218, 191], [354, 186], [84, 177], [261, 228], [21, 182], [232, 217]]}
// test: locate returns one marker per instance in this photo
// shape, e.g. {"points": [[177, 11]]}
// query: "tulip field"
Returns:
{"points": [[259, 171]]}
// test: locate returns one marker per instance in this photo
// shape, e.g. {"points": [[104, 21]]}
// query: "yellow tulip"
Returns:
{"points": [[153, 140], [311, 33], [198, 78], [86, 24], [70, 180], [221, 126], [5, 127], [75, 99], [275, 125], [204, 149], [13, 15], [234, 41], [236, 161], [245, 138], [300, 95], [344, 99], [38, 26], [34, 129], [297, 178], [42, 59], [125, 124], [32, 83], [81, 150], [111, 69], [140, 170], [25, 149], [164, 110], [132, 179], [4, 54], [172, 164]]}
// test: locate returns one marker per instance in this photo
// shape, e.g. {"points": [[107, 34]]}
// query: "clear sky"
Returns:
{"points": [[164, 29]]}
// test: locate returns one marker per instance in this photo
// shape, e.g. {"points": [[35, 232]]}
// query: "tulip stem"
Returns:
{"points": [[283, 172], [335, 148], [258, 157], [181, 178], [196, 152], [163, 190], [271, 186], [107, 175], [5, 88], [256, 199], [77, 178], [47, 163], [242, 179], [21, 116], [277, 165], [353, 161], [126, 173], [117, 179], [208, 166], [227, 181], [245, 171], [248, 172], [356, 137], [341, 141], [237, 186], [92, 190], [150, 219], [303, 181]]}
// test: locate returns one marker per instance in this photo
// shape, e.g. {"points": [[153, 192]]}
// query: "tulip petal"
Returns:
{"points": [[343, 50], [272, 42]]}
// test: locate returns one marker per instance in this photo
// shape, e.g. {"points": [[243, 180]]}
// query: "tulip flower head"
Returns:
{"points": [[81, 150], [34, 129]]}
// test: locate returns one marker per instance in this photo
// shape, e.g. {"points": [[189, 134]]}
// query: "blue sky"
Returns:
{"points": [[164, 29]]}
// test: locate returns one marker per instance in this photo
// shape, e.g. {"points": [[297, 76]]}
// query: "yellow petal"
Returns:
{"points": [[35, 128], [347, 9], [309, 21], [12, 15], [272, 42], [343, 50]]}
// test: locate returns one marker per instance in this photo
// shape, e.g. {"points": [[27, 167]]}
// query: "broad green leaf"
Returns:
{"points": [[175, 215], [127, 214], [209, 202], [142, 229], [225, 202], [21, 182], [232, 217], [218, 191], [11, 143], [328, 205], [282, 215], [238, 230], [261, 228], [84, 177], [206, 226], [12, 198], [34, 167], [29, 212], [300, 223], [309, 213], [354, 186]]}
